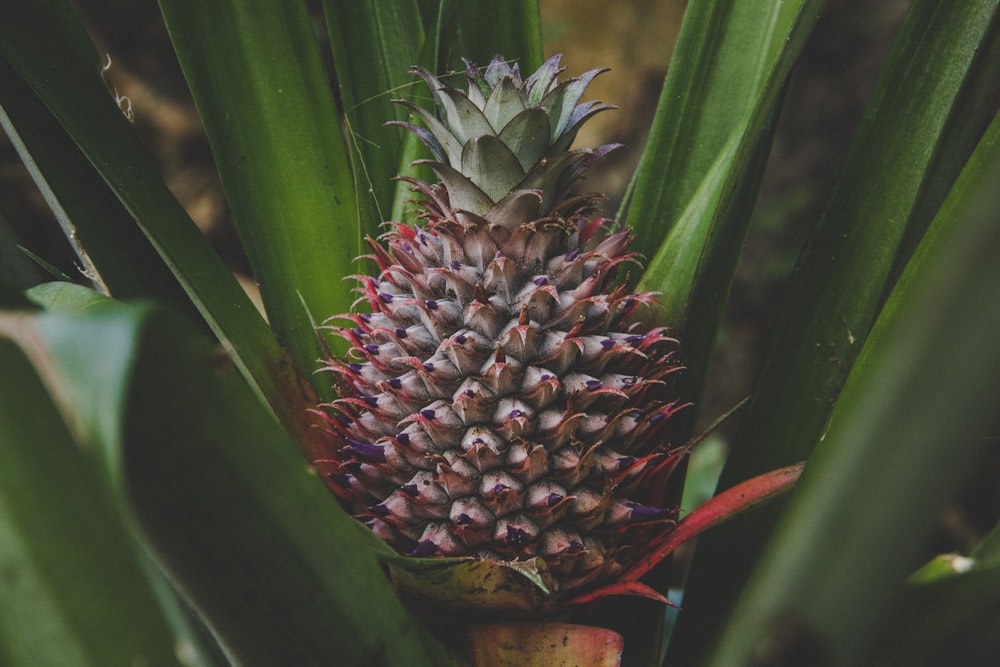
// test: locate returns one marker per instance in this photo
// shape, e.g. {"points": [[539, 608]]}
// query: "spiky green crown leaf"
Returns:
{"points": [[504, 135]]}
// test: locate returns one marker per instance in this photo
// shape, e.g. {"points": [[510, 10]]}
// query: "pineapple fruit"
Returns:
{"points": [[502, 401]]}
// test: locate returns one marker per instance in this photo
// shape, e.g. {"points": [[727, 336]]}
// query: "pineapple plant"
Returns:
{"points": [[155, 435], [503, 399]]}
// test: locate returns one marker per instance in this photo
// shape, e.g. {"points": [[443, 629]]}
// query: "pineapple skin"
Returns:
{"points": [[501, 400]]}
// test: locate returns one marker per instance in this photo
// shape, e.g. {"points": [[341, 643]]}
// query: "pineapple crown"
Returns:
{"points": [[505, 137]]}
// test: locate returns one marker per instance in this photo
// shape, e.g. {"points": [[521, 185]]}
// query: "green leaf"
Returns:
{"points": [[695, 187], [728, 64], [374, 45], [230, 510], [477, 31], [74, 591], [692, 194], [950, 610], [915, 136], [907, 430], [903, 161], [254, 69], [66, 297], [989, 547], [67, 80], [949, 620]]}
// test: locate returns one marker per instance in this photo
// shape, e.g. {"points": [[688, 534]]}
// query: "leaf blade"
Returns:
{"points": [[879, 472], [374, 45], [282, 159], [64, 569], [227, 506], [108, 244], [838, 288]]}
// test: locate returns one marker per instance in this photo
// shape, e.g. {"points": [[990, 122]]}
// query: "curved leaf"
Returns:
{"points": [[907, 430], [254, 70], [695, 187], [916, 134], [66, 558], [729, 62], [229, 509]]}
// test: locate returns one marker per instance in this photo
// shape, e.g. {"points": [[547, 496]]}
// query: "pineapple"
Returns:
{"points": [[501, 402]]}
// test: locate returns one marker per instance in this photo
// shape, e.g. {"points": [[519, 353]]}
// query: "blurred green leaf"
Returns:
{"points": [[907, 430], [67, 560], [917, 132], [950, 620], [989, 548], [725, 73], [66, 297], [950, 611], [248, 534], [283, 161]]}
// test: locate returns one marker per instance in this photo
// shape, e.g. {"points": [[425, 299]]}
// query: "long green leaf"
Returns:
{"points": [[67, 80], [726, 53], [374, 45], [248, 534], [913, 140], [899, 158], [254, 69], [704, 158], [907, 430], [74, 592], [699, 174], [696, 185]]}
